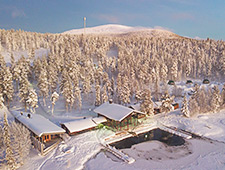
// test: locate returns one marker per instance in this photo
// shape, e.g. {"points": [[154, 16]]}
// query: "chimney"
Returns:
{"points": [[29, 115], [110, 101]]}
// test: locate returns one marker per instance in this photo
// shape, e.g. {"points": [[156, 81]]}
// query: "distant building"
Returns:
{"points": [[45, 135]]}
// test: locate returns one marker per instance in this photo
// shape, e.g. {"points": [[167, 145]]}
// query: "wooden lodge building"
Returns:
{"points": [[118, 116], [82, 125], [45, 135]]}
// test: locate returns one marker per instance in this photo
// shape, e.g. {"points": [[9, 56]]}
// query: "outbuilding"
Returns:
{"points": [[82, 125]]}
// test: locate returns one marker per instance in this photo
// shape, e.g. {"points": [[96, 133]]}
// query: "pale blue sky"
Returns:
{"points": [[202, 18]]}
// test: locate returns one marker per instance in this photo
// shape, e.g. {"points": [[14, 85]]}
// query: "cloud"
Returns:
{"points": [[184, 2], [15, 13], [182, 16], [108, 18], [163, 28]]}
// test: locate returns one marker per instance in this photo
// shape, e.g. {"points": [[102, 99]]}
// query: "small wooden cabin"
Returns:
{"points": [[82, 125], [175, 106], [206, 81], [189, 82], [118, 116], [171, 82], [44, 133]]}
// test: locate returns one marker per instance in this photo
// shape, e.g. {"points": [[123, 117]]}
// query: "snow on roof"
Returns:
{"points": [[135, 106], [99, 119], [37, 123], [114, 111], [157, 104], [79, 125]]}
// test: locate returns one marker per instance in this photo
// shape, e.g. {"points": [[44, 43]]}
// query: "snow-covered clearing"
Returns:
{"points": [[155, 155], [17, 54], [75, 153], [194, 154]]}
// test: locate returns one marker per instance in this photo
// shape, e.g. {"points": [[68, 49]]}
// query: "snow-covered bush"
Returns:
{"points": [[146, 105], [167, 102], [184, 108]]}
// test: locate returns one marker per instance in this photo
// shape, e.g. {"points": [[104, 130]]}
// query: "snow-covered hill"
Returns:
{"points": [[121, 30]]}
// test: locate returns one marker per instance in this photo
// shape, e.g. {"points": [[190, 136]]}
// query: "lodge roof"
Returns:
{"points": [[38, 124], [83, 124], [115, 111]]}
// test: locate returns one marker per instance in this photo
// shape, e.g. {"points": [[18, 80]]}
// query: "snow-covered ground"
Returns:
{"points": [[114, 29], [75, 153], [17, 54], [195, 154]]}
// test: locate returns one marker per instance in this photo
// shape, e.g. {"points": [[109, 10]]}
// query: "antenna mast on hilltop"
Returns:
{"points": [[84, 25]]}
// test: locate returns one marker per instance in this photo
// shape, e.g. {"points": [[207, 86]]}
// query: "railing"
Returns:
{"points": [[50, 148], [38, 145], [119, 154], [42, 148]]}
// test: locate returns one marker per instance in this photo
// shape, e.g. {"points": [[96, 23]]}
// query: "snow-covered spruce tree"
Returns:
{"points": [[163, 72], [43, 85], [2, 148], [24, 66], [203, 100], [105, 78], [173, 70], [223, 97], [52, 77], [54, 98], [12, 61], [196, 90], [109, 89], [37, 67], [7, 85], [78, 99], [216, 99], [184, 108], [193, 106], [31, 55], [97, 95], [146, 105], [2, 62], [124, 91], [86, 86], [188, 68], [138, 95], [1, 101], [16, 74], [156, 89], [105, 97], [24, 91], [167, 102], [9, 157], [67, 92], [21, 142], [32, 100]]}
